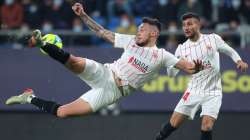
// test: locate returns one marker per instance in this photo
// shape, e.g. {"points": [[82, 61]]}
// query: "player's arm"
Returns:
{"points": [[173, 62], [223, 47], [92, 25], [188, 67], [173, 71]]}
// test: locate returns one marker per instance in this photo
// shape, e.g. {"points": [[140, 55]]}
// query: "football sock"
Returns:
{"points": [[165, 131], [47, 106], [206, 135], [56, 53]]}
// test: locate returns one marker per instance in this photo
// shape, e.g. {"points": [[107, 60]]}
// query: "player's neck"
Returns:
{"points": [[150, 44], [195, 38]]}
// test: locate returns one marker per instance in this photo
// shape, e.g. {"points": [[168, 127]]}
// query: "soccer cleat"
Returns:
{"points": [[37, 36], [24, 98]]}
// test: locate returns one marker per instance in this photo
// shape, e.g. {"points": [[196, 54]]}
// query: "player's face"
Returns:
{"points": [[143, 34], [191, 27]]}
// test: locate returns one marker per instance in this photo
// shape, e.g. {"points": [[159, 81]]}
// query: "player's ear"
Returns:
{"points": [[153, 34], [198, 23]]}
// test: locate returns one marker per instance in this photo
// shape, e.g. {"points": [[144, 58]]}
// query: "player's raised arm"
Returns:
{"points": [[223, 47], [92, 25]]}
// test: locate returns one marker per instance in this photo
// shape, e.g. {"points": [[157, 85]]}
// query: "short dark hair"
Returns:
{"points": [[190, 15], [152, 21]]}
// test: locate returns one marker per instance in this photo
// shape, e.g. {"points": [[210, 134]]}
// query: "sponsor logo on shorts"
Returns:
{"points": [[186, 95]]}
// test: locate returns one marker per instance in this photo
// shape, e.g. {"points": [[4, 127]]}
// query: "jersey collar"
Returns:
{"points": [[201, 36]]}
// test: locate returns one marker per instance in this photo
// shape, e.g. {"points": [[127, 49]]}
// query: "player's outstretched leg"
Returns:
{"points": [[73, 63], [168, 128], [23, 98], [77, 107], [206, 127]]}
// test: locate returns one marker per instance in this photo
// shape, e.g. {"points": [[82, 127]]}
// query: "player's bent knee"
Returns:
{"points": [[76, 64], [177, 119], [75, 108], [207, 125], [174, 123]]}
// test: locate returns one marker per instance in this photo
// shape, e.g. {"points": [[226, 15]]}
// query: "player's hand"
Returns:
{"points": [[198, 66], [78, 9], [241, 65], [31, 42]]}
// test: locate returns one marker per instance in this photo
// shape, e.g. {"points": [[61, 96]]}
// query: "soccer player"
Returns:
{"points": [[139, 63], [204, 89]]}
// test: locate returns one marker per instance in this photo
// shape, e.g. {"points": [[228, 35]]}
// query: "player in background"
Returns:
{"points": [[204, 90], [139, 63]]}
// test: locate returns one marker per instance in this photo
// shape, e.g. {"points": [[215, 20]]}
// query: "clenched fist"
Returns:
{"points": [[78, 9]]}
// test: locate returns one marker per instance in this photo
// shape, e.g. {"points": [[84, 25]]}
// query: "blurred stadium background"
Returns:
{"points": [[139, 116]]}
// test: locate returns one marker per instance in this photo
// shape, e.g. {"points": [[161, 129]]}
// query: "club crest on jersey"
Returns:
{"points": [[138, 64], [207, 64], [209, 47]]}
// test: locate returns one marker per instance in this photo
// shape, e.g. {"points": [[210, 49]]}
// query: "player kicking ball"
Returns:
{"points": [[139, 63], [204, 89]]}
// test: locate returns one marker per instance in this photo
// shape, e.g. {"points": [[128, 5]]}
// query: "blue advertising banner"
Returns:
{"points": [[28, 68]]}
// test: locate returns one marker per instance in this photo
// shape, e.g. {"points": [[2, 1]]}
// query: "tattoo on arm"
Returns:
{"points": [[98, 29]]}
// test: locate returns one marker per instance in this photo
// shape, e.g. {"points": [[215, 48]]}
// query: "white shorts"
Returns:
{"points": [[191, 103], [104, 89]]}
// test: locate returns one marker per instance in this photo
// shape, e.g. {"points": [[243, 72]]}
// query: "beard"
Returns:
{"points": [[142, 44], [193, 35]]}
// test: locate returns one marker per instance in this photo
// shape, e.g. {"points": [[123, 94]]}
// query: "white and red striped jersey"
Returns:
{"points": [[138, 65], [206, 48]]}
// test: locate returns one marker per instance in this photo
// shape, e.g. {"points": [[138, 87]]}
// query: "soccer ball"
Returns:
{"points": [[52, 39]]}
